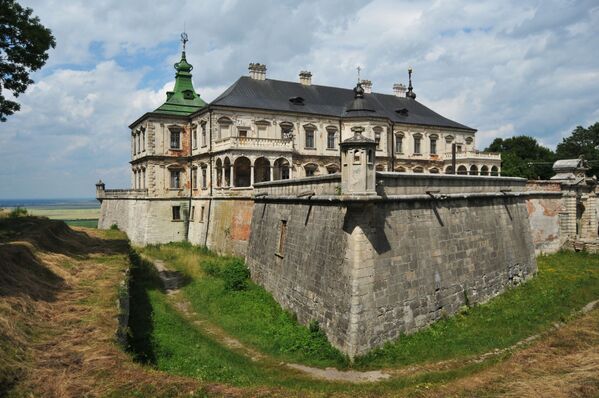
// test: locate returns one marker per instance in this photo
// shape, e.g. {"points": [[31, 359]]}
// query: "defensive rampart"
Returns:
{"points": [[369, 267]]}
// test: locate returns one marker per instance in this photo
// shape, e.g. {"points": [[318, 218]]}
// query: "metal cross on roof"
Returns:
{"points": [[184, 39], [358, 69]]}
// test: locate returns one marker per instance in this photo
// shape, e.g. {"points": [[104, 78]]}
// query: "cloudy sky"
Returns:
{"points": [[502, 67]]}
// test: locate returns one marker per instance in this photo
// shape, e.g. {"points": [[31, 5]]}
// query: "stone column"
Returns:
{"points": [[568, 223], [589, 218], [231, 176], [270, 176], [251, 175]]}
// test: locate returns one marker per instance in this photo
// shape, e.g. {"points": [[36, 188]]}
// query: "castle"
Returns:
{"points": [[367, 212]]}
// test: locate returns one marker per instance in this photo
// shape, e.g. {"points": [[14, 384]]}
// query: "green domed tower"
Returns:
{"points": [[183, 100]]}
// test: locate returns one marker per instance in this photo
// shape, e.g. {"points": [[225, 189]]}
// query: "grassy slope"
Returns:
{"points": [[252, 315], [565, 282]]}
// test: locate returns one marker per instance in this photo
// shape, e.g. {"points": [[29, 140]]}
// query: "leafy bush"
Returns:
{"points": [[211, 268], [235, 275], [18, 212], [114, 227]]}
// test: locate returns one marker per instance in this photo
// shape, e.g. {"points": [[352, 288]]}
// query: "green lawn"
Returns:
{"points": [[566, 281], [82, 223]]}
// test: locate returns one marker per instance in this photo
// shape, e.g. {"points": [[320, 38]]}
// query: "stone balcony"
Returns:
{"points": [[261, 144], [472, 155], [120, 193]]}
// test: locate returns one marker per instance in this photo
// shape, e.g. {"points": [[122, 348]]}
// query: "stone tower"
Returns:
{"points": [[357, 164]]}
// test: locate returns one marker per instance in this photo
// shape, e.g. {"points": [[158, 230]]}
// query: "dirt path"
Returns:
{"points": [[172, 281]]}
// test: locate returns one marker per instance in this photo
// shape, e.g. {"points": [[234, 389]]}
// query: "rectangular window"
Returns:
{"points": [[282, 237], [202, 214], [194, 138], [203, 134], [377, 139], [416, 145], [433, 146], [176, 213], [175, 140], [204, 178], [309, 138], [175, 179], [398, 144], [194, 178], [243, 133], [143, 141], [192, 213], [330, 139]]}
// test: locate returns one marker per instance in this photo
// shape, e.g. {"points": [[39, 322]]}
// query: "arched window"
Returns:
{"points": [[286, 130], [400, 169], [494, 171], [380, 167], [418, 169], [281, 169], [462, 170], [261, 170], [227, 171], [473, 170], [449, 170], [434, 170], [242, 170], [219, 172], [332, 168], [484, 171], [311, 169]]}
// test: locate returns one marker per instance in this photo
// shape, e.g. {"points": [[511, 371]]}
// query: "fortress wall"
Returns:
{"points": [[545, 208], [229, 225], [369, 268], [311, 277], [422, 260], [145, 221]]}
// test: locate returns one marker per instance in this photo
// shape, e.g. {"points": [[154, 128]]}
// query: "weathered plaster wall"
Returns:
{"points": [[145, 221]]}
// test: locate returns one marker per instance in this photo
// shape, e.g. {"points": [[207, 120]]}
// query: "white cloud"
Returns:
{"points": [[512, 67]]}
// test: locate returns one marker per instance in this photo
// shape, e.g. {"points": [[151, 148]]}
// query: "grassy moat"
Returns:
{"points": [[219, 334]]}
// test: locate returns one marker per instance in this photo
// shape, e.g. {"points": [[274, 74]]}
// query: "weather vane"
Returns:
{"points": [[358, 69], [184, 39]]}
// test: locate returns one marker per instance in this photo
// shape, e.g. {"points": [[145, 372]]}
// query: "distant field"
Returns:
{"points": [[66, 214]]}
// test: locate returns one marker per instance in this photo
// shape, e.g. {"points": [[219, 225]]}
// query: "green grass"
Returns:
{"points": [[82, 223], [251, 315], [566, 281], [162, 338]]}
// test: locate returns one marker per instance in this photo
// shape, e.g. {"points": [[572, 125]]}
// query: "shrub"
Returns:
{"points": [[18, 212], [235, 275], [211, 268], [114, 227]]}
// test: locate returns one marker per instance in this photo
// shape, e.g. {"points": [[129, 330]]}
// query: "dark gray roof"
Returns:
{"points": [[330, 101]]}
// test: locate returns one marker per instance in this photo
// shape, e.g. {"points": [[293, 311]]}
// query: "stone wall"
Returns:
{"points": [[225, 227], [546, 209], [371, 267], [146, 221]]}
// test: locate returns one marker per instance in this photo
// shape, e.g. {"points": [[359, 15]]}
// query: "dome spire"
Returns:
{"points": [[410, 94]]}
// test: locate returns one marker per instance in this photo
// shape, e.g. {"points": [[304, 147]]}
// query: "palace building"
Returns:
{"points": [[260, 130]]}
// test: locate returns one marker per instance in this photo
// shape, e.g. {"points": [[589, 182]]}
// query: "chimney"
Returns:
{"points": [[399, 90], [257, 71], [367, 86], [305, 78]]}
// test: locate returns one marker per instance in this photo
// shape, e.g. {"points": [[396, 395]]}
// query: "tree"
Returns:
{"points": [[24, 45], [582, 142], [523, 156]]}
